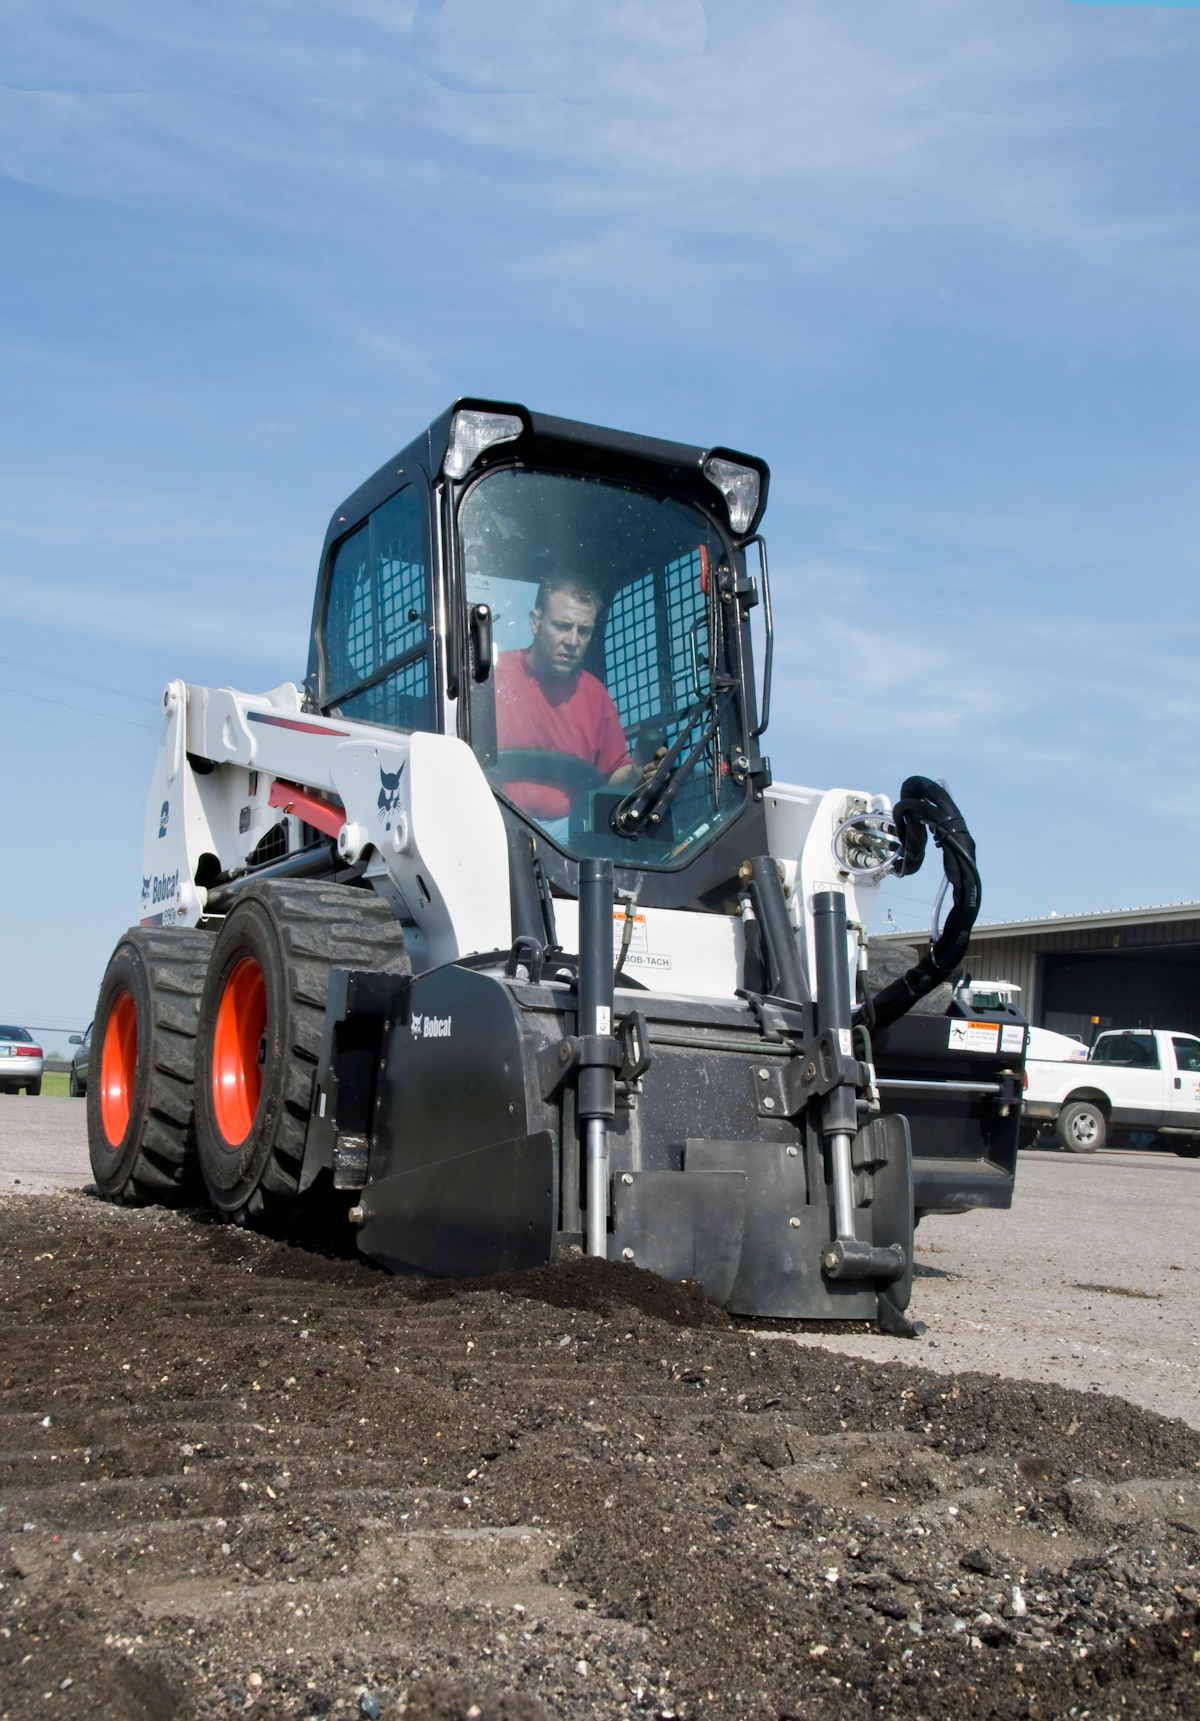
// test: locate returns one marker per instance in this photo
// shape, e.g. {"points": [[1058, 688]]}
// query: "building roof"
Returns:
{"points": [[1065, 922]]}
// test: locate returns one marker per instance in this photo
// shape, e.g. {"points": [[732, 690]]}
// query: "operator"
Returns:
{"points": [[545, 699]]}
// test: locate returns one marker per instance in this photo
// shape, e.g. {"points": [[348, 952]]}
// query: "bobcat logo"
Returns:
{"points": [[389, 794], [145, 891], [163, 817]]}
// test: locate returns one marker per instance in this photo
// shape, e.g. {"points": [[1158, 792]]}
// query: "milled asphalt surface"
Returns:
{"points": [[43, 1144], [1091, 1281]]}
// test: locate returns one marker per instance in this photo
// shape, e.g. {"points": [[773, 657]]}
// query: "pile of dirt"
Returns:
{"points": [[240, 1476]]}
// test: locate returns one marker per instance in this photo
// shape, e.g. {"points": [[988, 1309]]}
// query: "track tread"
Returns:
{"points": [[174, 961], [177, 962]]}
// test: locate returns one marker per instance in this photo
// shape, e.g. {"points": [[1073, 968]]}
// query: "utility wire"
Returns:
{"points": [[42, 1027], [98, 686], [86, 710]]}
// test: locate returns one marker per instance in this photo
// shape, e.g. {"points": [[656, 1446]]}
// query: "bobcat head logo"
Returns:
{"points": [[389, 794], [145, 891]]}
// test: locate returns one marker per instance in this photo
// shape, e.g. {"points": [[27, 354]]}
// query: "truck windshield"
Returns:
{"points": [[610, 644]]}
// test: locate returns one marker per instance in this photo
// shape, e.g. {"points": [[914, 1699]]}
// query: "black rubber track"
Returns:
{"points": [[164, 967], [298, 931]]}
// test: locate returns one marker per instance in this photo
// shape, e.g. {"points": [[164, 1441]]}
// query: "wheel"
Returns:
{"points": [[73, 1087], [1081, 1127], [261, 1018], [1187, 1147], [141, 1135], [34, 1088]]}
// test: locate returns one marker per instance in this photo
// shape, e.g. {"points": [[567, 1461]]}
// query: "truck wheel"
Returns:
{"points": [[1187, 1147], [1080, 1127], [261, 1018], [141, 1137]]}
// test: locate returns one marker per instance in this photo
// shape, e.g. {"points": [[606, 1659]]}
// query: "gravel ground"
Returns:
{"points": [[996, 1291], [240, 1477], [43, 1144], [1092, 1281]]}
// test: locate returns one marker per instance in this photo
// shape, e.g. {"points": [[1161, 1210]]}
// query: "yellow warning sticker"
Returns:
{"points": [[974, 1036]]}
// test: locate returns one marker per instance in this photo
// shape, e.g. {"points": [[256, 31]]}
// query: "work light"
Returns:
{"points": [[472, 432], [740, 487]]}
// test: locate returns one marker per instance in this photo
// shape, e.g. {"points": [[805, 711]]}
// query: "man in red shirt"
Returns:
{"points": [[546, 700]]}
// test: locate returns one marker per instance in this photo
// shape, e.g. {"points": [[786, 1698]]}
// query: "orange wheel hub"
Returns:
{"points": [[238, 1048], [118, 1067]]}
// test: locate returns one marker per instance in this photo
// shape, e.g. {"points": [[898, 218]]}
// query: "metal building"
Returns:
{"points": [[1079, 973]]}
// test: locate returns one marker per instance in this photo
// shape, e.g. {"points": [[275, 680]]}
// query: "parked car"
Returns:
{"points": [[78, 1080], [1137, 1079], [20, 1061]]}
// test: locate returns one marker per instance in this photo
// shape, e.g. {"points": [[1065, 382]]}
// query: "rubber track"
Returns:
{"points": [[321, 926], [176, 962]]}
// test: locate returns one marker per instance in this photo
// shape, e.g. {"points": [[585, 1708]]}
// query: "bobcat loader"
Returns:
{"points": [[501, 1004]]}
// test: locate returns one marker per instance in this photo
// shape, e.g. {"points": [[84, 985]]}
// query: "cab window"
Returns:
{"points": [[611, 645], [1135, 1051], [377, 635], [1187, 1054]]}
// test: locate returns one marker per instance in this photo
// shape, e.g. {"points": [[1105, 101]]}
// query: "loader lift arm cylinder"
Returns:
{"points": [[598, 1054], [770, 905]]}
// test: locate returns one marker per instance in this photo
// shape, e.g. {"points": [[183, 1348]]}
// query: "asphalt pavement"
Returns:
{"points": [[1092, 1280]]}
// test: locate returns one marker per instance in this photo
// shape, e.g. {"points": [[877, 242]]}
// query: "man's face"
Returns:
{"points": [[561, 633]]}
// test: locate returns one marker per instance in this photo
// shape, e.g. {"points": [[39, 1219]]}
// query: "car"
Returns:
{"points": [[1139, 1083], [21, 1062], [78, 1081]]}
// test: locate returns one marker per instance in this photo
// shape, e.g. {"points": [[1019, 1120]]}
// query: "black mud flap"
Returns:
{"points": [[477, 1212], [681, 1225], [779, 1274]]}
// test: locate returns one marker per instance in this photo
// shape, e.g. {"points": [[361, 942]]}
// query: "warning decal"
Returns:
{"points": [[639, 954], [974, 1036]]}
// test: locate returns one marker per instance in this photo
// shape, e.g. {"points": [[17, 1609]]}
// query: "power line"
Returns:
{"points": [[61, 675], [45, 1028], [85, 710], [80, 736]]}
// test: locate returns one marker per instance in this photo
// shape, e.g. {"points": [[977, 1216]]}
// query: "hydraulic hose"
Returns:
{"points": [[924, 806]]}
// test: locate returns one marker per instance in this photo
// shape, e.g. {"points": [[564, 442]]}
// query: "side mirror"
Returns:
{"points": [[75, 1040], [481, 641]]}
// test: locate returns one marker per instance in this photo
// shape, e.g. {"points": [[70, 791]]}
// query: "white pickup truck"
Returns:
{"points": [[1138, 1079]]}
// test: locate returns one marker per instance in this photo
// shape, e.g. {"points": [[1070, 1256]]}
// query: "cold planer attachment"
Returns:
{"points": [[497, 1111]]}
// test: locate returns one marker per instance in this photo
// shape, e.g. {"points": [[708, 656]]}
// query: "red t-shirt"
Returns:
{"points": [[576, 716]]}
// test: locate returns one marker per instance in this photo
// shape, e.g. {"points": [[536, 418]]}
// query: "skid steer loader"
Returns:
{"points": [[498, 928]]}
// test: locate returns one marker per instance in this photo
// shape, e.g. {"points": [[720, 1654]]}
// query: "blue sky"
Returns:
{"points": [[936, 260]]}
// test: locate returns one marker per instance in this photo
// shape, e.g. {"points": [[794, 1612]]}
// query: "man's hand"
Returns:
{"points": [[651, 766], [624, 777]]}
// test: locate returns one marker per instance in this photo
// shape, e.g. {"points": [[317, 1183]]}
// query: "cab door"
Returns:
{"points": [[1183, 1095], [1133, 1077]]}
